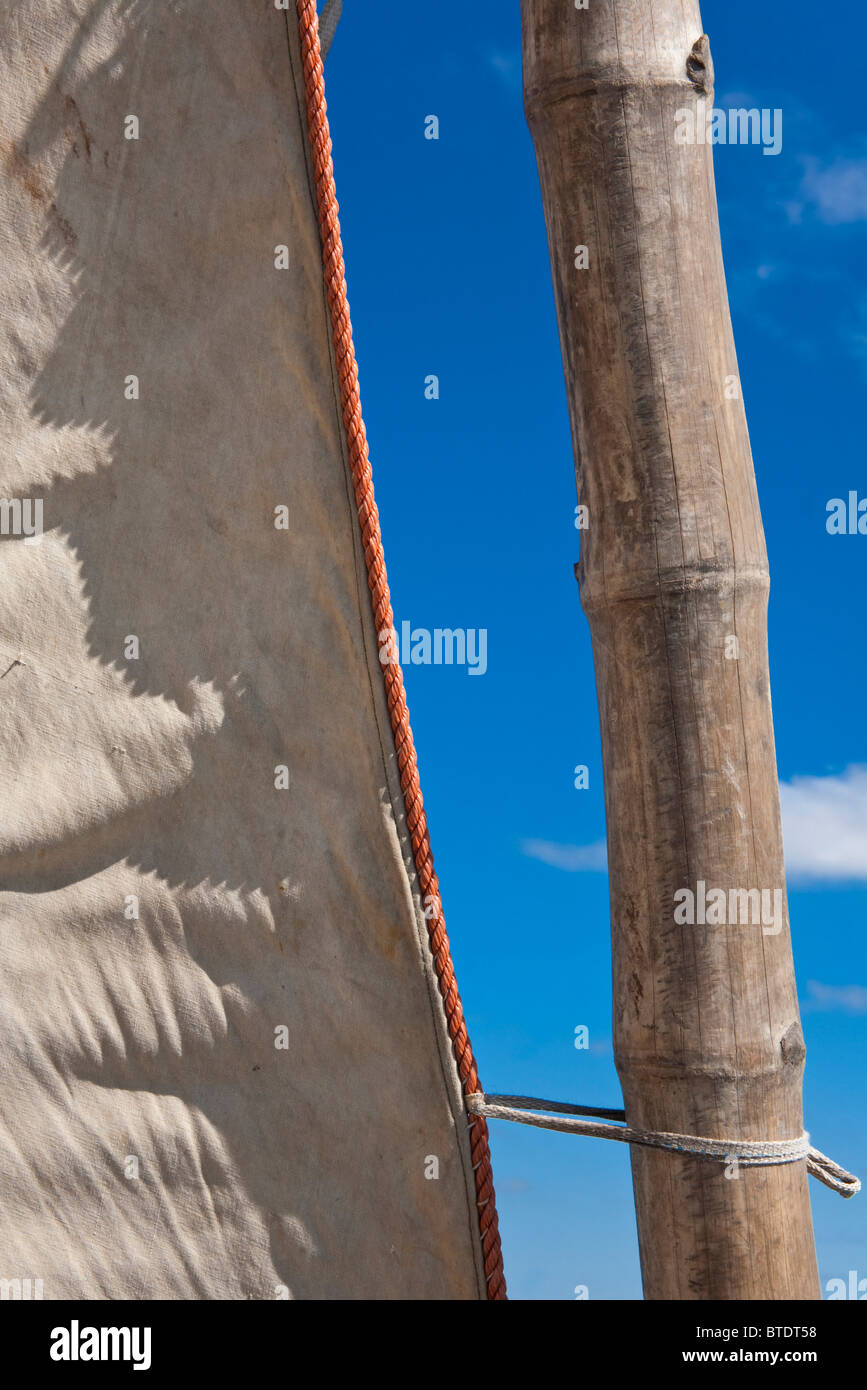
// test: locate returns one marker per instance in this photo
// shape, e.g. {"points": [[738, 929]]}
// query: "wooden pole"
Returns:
{"points": [[674, 581]]}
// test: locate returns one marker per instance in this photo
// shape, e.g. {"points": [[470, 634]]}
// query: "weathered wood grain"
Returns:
{"points": [[707, 1032]]}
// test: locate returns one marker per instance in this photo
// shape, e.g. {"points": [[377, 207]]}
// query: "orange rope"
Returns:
{"points": [[347, 372]]}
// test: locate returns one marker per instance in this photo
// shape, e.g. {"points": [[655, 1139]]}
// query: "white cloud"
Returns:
{"points": [[838, 191], [573, 858], [825, 826], [835, 999], [734, 99], [824, 833], [515, 1186], [507, 66]]}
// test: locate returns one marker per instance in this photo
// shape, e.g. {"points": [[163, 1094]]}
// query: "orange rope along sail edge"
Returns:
{"points": [[347, 372]]}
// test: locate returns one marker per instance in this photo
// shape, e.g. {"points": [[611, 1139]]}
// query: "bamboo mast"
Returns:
{"points": [[674, 582]]}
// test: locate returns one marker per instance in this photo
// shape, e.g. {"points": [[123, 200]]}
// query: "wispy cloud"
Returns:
{"points": [[515, 1186], [825, 826], [727, 100], [824, 832], [507, 66], [838, 191], [574, 858], [835, 999]]}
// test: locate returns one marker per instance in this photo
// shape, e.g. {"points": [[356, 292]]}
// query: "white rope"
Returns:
{"points": [[748, 1153], [328, 21]]}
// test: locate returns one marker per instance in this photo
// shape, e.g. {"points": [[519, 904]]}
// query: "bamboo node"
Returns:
{"points": [[699, 66]]}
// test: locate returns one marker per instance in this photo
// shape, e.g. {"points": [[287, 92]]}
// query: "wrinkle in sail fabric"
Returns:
{"points": [[224, 1069]]}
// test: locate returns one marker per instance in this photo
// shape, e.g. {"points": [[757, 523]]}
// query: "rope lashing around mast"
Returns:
{"points": [[747, 1153]]}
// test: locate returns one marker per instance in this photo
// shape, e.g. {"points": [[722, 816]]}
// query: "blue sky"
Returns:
{"points": [[448, 273]]}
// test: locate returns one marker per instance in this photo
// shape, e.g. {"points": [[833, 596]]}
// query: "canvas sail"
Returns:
{"points": [[225, 1070]]}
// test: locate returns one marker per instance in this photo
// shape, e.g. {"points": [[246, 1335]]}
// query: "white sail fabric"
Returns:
{"points": [[246, 1090]]}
